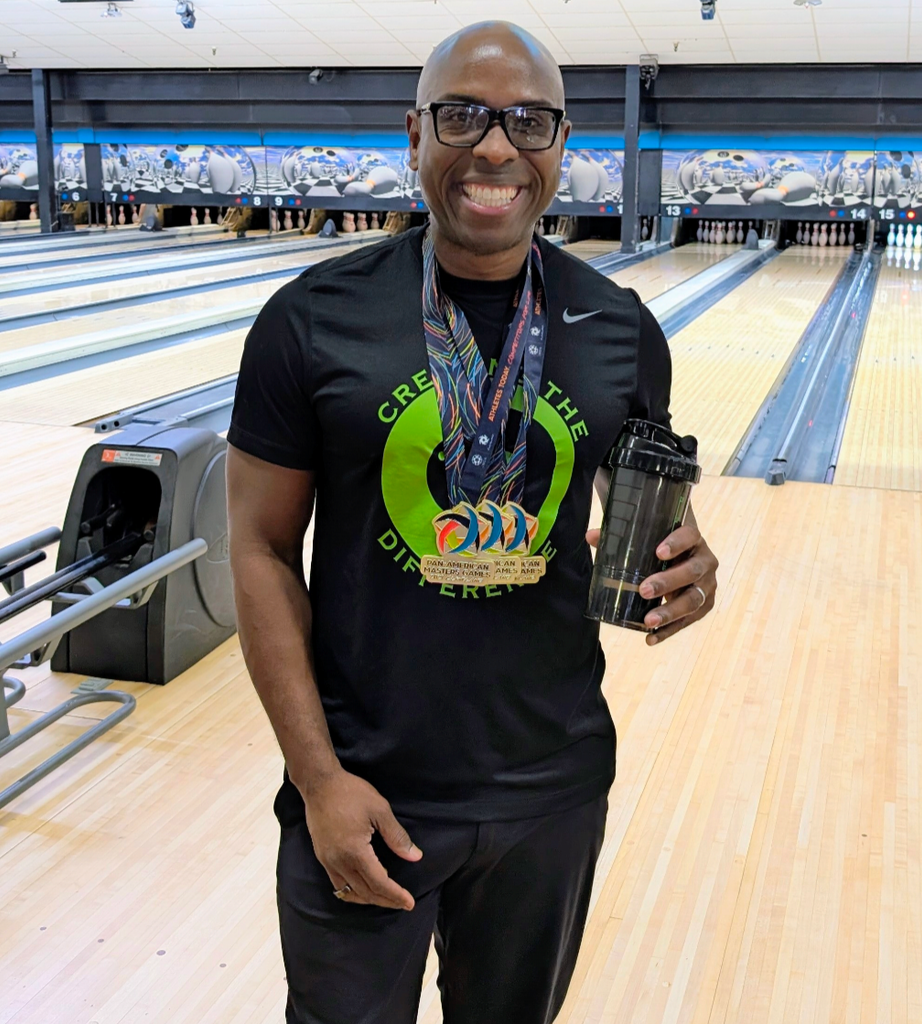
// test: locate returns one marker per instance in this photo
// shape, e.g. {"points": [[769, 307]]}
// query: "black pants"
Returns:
{"points": [[507, 902]]}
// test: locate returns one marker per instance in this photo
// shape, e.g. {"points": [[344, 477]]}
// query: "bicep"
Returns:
{"points": [[269, 507]]}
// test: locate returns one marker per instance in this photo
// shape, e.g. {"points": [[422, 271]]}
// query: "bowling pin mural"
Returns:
{"points": [[582, 179]]}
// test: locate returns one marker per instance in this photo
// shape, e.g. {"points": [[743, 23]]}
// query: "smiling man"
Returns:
{"points": [[447, 396]]}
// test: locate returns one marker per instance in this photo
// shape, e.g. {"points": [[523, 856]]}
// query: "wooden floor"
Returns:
{"points": [[763, 854], [656, 276], [593, 247], [725, 362], [882, 444]]}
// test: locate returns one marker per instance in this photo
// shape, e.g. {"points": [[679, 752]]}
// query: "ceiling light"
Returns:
{"points": [[111, 11], [186, 11]]}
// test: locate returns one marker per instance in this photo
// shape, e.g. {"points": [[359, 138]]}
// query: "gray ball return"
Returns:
{"points": [[77, 587]]}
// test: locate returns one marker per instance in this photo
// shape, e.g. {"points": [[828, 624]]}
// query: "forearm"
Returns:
{"points": [[274, 622]]}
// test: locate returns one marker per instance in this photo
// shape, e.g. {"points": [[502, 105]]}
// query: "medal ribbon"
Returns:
{"points": [[473, 407]]}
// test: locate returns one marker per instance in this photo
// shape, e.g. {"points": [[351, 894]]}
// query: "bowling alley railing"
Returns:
{"points": [[36, 645]]}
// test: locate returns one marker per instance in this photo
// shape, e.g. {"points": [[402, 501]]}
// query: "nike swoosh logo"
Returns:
{"points": [[568, 319]]}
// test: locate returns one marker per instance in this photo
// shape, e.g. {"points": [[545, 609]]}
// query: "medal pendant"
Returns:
{"points": [[482, 570]]}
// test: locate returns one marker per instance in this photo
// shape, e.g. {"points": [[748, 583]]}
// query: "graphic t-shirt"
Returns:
{"points": [[456, 703]]}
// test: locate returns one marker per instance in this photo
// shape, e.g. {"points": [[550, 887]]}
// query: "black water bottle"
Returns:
{"points": [[653, 472]]}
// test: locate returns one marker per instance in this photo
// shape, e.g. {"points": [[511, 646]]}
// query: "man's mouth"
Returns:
{"points": [[491, 195]]}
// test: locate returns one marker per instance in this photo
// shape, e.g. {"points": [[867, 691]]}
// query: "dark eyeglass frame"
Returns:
{"points": [[494, 117]]}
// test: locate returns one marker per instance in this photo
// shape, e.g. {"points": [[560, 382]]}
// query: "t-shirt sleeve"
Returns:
{"points": [[654, 371], [273, 417]]}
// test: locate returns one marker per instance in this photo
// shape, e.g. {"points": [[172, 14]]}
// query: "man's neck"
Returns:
{"points": [[461, 262]]}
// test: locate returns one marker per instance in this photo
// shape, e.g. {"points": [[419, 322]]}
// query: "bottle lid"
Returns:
{"points": [[652, 448]]}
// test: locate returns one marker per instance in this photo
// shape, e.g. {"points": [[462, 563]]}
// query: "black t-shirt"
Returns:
{"points": [[457, 703]]}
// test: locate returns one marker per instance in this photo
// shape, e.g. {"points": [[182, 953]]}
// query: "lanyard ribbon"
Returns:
{"points": [[473, 408]]}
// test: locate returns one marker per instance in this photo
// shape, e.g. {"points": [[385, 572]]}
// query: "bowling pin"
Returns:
{"points": [[833, 235], [800, 232], [731, 232], [720, 234], [899, 238], [135, 216], [121, 215], [273, 220], [109, 221], [361, 223], [348, 223], [891, 236], [740, 234], [712, 232], [300, 220], [288, 221], [375, 226], [815, 237], [207, 214], [33, 211], [700, 233], [917, 241], [851, 234], [842, 238], [194, 218]]}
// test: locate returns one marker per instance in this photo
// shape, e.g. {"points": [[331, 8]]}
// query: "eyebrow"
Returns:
{"points": [[456, 97]]}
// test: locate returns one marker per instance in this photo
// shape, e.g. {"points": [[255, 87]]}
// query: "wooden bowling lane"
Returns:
{"points": [[592, 247], [656, 276], [94, 246], [97, 391], [725, 362], [107, 291], [882, 443], [761, 853]]}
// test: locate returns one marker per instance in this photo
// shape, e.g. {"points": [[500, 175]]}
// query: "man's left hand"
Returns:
{"points": [[695, 566]]}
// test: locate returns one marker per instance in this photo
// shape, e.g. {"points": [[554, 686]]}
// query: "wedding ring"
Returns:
{"points": [[704, 596], [341, 894]]}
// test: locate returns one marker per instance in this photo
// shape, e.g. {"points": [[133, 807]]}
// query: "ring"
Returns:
{"points": [[341, 894], [704, 597]]}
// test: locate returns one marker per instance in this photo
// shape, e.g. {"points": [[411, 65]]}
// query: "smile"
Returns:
{"points": [[491, 196]]}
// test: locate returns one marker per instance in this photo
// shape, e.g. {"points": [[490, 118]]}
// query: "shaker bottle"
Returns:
{"points": [[653, 472]]}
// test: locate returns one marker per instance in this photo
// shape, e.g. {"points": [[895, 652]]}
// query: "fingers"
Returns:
{"points": [[369, 881], [396, 836], [679, 541], [676, 578]]}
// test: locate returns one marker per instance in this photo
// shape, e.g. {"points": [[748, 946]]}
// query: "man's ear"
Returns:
{"points": [[414, 133]]}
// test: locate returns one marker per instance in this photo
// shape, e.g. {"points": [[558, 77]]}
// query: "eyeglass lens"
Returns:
{"points": [[528, 127]]}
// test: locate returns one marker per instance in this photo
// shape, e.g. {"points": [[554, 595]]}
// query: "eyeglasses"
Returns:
{"points": [[464, 125]]}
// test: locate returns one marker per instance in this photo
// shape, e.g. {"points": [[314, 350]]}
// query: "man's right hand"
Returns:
{"points": [[343, 812]]}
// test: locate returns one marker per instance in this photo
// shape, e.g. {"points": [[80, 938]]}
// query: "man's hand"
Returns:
{"points": [[343, 813], [695, 566]]}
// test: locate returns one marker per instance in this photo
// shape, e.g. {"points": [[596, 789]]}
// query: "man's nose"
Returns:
{"points": [[495, 147]]}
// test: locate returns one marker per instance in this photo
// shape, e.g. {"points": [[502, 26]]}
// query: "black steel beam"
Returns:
{"points": [[629, 223], [41, 106]]}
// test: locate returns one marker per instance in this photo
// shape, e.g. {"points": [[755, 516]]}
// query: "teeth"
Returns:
{"points": [[484, 195]]}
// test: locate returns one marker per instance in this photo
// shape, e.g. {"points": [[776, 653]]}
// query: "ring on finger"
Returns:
{"points": [[341, 894], [704, 596]]}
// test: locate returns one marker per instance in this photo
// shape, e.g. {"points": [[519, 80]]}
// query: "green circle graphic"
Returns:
{"points": [[416, 434]]}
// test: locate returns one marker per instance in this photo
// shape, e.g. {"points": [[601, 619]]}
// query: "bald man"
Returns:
{"points": [[448, 396]]}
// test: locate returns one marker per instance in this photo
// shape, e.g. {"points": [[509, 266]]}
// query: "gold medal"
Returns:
{"points": [[484, 545]]}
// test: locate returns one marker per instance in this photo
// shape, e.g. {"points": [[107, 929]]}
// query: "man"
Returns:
{"points": [[447, 747]]}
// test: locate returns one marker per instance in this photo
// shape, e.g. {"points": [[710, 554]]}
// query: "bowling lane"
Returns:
{"points": [[133, 287], [97, 391], [882, 443], [725, 362], [216, 300], [592, 247], [656, 276]]}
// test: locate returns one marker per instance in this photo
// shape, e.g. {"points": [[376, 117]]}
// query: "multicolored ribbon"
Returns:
{"points": [[473, 408]]}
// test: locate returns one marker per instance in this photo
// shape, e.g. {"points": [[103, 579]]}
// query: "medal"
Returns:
{"points": [[486, 537]]}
